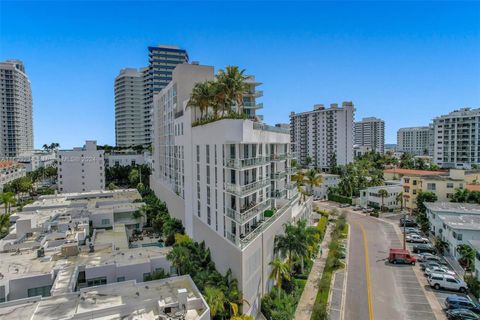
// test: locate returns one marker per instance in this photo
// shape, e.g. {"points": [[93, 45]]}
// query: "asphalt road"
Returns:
{"points": [[376, 289]]}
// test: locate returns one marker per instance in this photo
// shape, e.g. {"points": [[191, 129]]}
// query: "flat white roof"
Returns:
{"points": [[453, 207], [462, 222]]}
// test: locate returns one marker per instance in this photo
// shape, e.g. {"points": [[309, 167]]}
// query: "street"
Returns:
{"points": [[376, 289]]}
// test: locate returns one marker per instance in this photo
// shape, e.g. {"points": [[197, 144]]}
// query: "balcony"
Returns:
{"points": [[278, 157], [249, 105], [278, 175], [247, 213], [247, 189], [245, 163], [279, 193]]}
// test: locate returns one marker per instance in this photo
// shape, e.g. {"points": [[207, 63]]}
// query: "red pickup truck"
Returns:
{"points": [[401, 256]]}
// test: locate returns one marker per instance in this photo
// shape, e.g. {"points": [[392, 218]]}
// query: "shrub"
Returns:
{"points": [[339, 198], [473, 285], [268, 213]]}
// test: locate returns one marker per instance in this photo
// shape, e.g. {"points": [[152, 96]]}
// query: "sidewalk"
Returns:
{"points": [[309, 294]]}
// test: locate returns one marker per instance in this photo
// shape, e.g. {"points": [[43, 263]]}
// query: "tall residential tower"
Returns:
{"points": [[370, 133], [415, 140], [323, 135], [16, 120]]}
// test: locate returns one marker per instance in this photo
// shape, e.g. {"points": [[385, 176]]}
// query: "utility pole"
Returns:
{"points": [[404, 231]]}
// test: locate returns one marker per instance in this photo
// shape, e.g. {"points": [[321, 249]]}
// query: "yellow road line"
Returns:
{"points": [[367, 274]]}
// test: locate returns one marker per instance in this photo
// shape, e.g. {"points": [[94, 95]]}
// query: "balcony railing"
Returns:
{"points": [[244, 163], [278, 175], [246, 189], [279, 193], [245, 215]]}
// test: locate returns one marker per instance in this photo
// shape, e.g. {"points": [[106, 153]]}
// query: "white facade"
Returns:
{"points": [[415, 140], [328, 181], [130, 109], [370, 132], [16, 120], [455, 223], [220, 178], [323, 134], [9, 171], [81, 169], [457, 139], [125, 159], [37, 159], [370, 197]]}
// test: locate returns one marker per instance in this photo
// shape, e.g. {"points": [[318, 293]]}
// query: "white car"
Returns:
{"points": [[415, 238], [445, 281], [439, 270]]}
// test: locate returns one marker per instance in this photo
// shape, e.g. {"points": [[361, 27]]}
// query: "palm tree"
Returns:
{"points": [[280, 272], [439, 244], [399, 198], [180, 258], [383, 193], [467, 254], [215, 299], [7, 198], [232, 82], [202, 96], [313, 179], [4, 224]]}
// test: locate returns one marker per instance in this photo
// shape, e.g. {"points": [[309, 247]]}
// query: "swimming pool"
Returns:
{"points": [[153, 244]]}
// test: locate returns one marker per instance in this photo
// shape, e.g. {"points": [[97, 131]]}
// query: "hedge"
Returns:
{"points": [[339, 198]]}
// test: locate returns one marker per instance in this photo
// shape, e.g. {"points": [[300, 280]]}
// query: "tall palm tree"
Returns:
{"points": [[313, 179], [7, 198], [467, 254], [383, 193], [399, 198], [215, 299], [4, 224], [280, 272], [233, 83]]}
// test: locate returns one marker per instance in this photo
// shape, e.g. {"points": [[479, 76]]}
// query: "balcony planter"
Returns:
{"points": [[268, 213]]}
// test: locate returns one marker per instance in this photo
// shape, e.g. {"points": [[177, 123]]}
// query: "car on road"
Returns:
{"points": [[415, 238], [422, 257], [441, 270], [401, 256], [424, 248], [461, 314], [344, 205], [412, 230], [357, 208], [444, 281]]}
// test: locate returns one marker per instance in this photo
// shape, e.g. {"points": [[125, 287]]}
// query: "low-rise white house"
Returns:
{"points": [[38, 159], [328, 181], [454, 223], [81, 169], [126, 159], [371, 198]]}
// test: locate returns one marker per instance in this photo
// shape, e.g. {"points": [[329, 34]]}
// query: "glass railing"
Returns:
{"points": [[245, 214], [278, 157], [278, 175], [246, 189], [279, 193], [243, 163]]}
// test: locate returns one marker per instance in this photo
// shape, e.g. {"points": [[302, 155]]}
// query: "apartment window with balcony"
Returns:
{"points": [[208, 174], [208, 195], [207, 153], [198, 153], [216, 220], [215, 155], [198, 172], [216, 198], [216, 176], [198, 190], [198, 209]]}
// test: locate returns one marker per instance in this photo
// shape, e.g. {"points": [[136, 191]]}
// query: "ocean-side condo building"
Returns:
{"points": [[370, 133]]}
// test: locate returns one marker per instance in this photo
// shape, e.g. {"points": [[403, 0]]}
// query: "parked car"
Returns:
{"points": [[344, 205], [357, 208], [454, 302], [407, 222], [423, 247], [412, 230], [401, 256], [416, 238], [440, 270], [421, 257], [445, 281], [461, 314], [432, 263]]}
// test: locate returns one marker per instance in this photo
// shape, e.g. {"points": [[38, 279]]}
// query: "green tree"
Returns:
{"points": [[179, 256], [383, 194], [202, 96], [313, 179], [232, 82], [7, 198], [134, 177], [467, 256], [439, 244], [215, 299], [399, 198], [425, 196], [4, 224], [280, 272]]}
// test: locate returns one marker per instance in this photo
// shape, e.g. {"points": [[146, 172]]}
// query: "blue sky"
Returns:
{"points": [[404, 62]]}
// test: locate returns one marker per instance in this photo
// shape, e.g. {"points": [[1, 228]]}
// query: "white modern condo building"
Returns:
{"points": [[457, 139], [16, 122], [81, 169], [323, 135], [370, 133], [416, 141], [227, 180]]}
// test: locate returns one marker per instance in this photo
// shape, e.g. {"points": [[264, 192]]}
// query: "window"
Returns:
{"points": [[39, 291], [459, 236], [209, 218], [431, 186], [207, 153], [198, 209], [450, 185], [198, 153], [208, 174], [146, 275], [97, 281], [105, 221], [120, 279], [208, 195]]}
